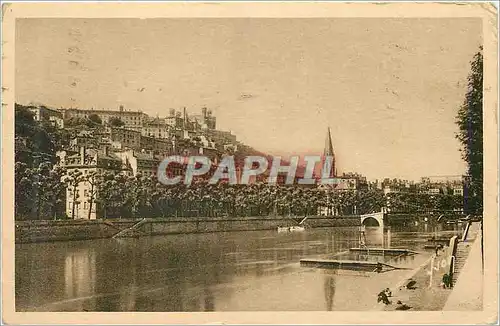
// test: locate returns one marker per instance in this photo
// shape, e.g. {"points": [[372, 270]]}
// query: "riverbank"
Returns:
{"points": [[467, 294], [429, 294], [67, 230]]}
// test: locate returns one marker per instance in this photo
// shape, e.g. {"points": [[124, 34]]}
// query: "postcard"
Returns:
{"points": [[249, 163]]}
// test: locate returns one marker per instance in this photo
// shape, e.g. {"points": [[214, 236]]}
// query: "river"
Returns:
{"points": [[233, 271]]}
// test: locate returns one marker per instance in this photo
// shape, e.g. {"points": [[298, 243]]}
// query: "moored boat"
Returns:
{"points": [[291, 229]]}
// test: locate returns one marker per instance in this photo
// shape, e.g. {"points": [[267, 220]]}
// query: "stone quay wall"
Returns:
{"points": [[67, 230]]}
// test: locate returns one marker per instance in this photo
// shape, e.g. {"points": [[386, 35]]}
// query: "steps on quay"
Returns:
{"points": [[132, 231], [461, 255], [467, 293], [463, 250]]}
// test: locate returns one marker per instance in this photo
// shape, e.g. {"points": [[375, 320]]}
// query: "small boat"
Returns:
{"points": [[291, 229]]}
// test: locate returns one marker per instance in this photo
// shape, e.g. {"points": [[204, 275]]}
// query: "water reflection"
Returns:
{"points": [[200, 272], [329, 287], [80, 272], [374, 236], [209, 300]]}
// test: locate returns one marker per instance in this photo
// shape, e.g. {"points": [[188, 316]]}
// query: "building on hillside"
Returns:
{"points": [[185, 146], [175, 120], [210, 152], [206, 120], [81, 203], [127, 138], [229, 148], [141, 162], [398, 186], [449, 185], [131, 119], [158, 146], [45, 114], [458, 190], [85, 139], [221, 137], [352, 181], [192, 124], [157, 128]]}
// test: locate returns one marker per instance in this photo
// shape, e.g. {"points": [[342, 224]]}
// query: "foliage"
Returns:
{"points": [[95, 118], [93, 179], [92, 122], [73, 180], [420, 202], [116, 122], [39, 192], [470, 122], [35, 142]]}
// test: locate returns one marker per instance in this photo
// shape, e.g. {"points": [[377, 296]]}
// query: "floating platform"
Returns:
{"points": [[440, 240], [383, 251], [347, 264], [431, 247]]}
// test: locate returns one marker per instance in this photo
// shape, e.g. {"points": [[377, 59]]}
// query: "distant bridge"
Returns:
{"points": [[374, 219]]}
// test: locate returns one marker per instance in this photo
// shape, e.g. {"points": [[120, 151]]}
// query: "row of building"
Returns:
{"points": [[135, 123], [431, 185]]}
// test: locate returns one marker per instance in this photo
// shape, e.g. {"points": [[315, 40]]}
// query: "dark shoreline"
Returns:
{"points": [[74, 230]]}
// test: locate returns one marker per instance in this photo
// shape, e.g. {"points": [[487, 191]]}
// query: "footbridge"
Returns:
{"points": [[374, 219]]}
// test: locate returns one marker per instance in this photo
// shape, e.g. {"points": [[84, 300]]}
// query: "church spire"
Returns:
{"points": [[328, 151]]}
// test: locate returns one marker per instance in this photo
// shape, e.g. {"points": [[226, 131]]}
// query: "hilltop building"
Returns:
{"points": [[131, 119], [45, 114]]}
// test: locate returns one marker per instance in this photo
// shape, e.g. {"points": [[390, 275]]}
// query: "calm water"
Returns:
{"points": [[254, 270]]}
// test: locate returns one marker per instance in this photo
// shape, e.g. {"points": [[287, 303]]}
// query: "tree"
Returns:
{"points": [[113, 195], [105, 191], [55, 192], [94, 179], [23, 190], [48, 190], [116, 122], [36, 142], [95, 119], [470, 122], [73, 180]]}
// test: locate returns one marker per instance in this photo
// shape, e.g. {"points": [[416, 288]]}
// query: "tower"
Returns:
{"points": [[328, 151]]}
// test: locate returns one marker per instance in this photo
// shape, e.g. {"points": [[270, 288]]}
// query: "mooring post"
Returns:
{"points": [[431, 271]]}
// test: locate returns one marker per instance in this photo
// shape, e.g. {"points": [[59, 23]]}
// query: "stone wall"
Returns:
{"points": [[42, 231]]}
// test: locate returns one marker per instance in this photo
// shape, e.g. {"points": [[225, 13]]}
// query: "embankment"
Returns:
{"points": [[66, 230]]}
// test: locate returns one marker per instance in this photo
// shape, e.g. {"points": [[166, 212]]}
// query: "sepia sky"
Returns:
{"points": [[388, 88]]}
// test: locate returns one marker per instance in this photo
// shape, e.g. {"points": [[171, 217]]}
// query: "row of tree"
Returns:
{"points": [[41, 193]]}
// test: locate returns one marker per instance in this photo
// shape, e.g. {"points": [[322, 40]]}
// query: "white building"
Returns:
{"points": [[81, 196]]}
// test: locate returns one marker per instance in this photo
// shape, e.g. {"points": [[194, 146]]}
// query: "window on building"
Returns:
{"points": [[84, 205]]}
